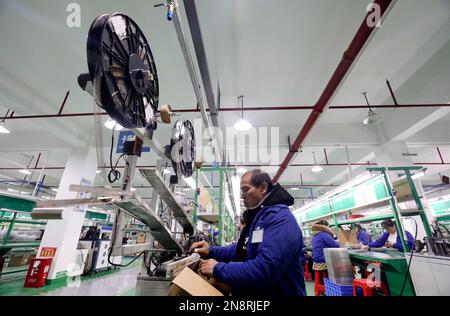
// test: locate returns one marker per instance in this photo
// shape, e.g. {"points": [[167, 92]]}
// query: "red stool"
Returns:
{"points": [[319, 283], [368, 287], [308, 277]]}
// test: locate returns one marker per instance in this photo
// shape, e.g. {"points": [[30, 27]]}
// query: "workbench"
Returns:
{"points": [[393, 268]]}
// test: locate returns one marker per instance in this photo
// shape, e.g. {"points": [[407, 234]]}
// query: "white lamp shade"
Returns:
{"points": [[242, 125]]}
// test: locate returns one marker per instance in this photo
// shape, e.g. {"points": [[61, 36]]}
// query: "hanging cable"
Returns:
{"points": [[114, 174]]}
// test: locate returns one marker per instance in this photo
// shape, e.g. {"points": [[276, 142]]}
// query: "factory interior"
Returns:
{"points": [[225, 148]]}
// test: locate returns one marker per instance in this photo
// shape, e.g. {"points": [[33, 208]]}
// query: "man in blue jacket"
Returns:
{"points": [[267, 260], [391, 239]]}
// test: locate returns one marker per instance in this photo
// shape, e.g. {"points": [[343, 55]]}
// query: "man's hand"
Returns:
{"points": [[389, 244], [365, 248], [207, 267], [201, 247]]}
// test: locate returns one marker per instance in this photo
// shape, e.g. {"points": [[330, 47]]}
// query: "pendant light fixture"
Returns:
{"points": [[242, 125], [316, 168], [3, 129], [372, 118]]}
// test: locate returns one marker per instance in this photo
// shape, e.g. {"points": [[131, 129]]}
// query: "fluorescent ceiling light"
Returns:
{"points": [[133, 189], [55, 190], [25, 171], [190, 182], [242, 125], [167, 171], [98, 171], [317, 169], [241, 170], [3, 129], [295, 189], [418, 175], [111, 124]]}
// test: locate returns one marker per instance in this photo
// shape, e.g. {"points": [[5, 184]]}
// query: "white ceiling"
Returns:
{"points": [[274, 54]]}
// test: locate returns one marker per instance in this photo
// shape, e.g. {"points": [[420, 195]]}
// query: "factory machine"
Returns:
{"points": [[123, 81], [430, 264]]}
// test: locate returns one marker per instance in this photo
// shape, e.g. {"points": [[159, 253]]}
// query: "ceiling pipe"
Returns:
{"points": [[255, 166], [246, 109], [361, 39]]}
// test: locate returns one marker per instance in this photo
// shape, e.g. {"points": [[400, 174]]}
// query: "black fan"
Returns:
{"points": [[123, 71], [182, 148]]}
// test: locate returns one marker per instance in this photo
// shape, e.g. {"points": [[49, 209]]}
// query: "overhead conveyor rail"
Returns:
{"points": [[155, 180], [141, 211]]}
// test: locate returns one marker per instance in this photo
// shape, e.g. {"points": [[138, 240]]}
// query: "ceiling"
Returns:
{"points": [[275, 55]]}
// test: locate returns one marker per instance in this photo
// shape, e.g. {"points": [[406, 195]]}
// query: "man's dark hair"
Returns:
{"points": [[387, 223], [259, 177], [323, 223]]}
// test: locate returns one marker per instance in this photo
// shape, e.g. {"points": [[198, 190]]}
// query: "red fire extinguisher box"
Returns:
{"points": [[38, 272]]}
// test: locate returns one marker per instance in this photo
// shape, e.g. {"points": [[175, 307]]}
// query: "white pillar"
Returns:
{"points": [[64, 234], [391, 154]]}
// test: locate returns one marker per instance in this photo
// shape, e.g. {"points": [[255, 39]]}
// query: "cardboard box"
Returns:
{"points": [[347, 237], [140, 238], [189, 283], [20, 260]]}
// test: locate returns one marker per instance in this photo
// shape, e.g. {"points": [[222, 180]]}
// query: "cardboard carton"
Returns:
{"points": [[189, 283], [347, 237], [20, 260]]}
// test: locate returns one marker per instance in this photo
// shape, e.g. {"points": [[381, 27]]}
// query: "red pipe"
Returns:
{"points": [[250, 109], [359, 41], [53, 116]]}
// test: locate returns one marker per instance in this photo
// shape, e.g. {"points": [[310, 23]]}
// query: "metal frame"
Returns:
{"points": [[225, 219], [396, 213]]}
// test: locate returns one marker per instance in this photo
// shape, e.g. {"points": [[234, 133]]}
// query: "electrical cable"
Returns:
{"points": [[112, 244], [123, 265], [448, 232], [410, 259], [114, 174]]}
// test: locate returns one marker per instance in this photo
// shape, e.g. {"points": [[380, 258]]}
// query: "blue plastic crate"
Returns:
{"points": [[332, 289]]}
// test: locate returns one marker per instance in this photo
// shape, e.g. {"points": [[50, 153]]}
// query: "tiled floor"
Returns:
{"points": [[107, 283]]}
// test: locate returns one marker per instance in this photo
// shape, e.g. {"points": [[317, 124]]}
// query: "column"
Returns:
{"points": [[64, 234]]}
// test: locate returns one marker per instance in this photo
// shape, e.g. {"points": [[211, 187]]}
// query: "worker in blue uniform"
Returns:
{"points": [[363, 237], [267, 259], [323, 238], [391, 239]]}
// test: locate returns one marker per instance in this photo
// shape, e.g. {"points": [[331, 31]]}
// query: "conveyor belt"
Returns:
{"points": [[158, 184], [159, 231]]}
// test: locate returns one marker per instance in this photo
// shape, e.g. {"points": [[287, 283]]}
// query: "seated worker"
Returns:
{"points": [[363, 237], [390, 238], [323, 237], [267, 260]]}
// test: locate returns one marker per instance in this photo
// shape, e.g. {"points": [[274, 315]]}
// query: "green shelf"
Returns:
{"points": [[365, 219], [19, 245], [22, 222]]}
